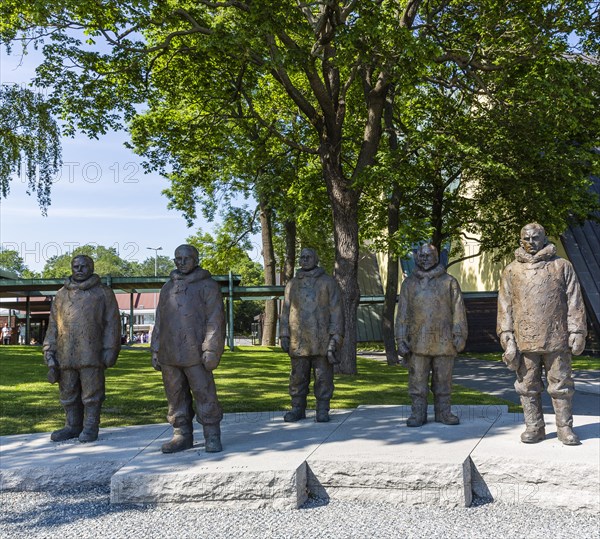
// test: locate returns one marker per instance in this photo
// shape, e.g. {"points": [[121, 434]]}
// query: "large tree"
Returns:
{"points": [[11, 260], [462, 166], [30, 142], [331, 64], [106, 262], [160, 265]]}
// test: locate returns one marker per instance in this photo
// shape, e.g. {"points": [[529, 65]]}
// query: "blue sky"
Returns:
{"points": [[101, 196]]}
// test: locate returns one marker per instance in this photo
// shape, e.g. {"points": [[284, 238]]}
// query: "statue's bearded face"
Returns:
{"points": [[185, 260], [427, 257], [533, 239], [308, 259], [81, 269]]}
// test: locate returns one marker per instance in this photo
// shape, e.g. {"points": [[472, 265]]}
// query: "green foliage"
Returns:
{"points": [[489, 114], [250, 379], [163, 265], [228, 249], [30, 142], [479, 166], [11, 260], [106, 262]]}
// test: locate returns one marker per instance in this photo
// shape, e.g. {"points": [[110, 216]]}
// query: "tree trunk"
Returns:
{"points": [[344, 203], [270, 320], [437, 217], [290, 251], [391, 285], [393, 220]]}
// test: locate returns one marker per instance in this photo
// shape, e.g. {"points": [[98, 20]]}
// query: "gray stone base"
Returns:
{"points": [[365, 454], [547, 474], [374, 455]]}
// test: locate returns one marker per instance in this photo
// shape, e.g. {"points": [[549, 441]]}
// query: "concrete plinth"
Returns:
{"points": [[263, 464], [547, 474], [374, 455], [33, 462], [365, 454]]}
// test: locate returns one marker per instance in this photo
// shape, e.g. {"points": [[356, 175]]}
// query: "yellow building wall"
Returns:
{"points": [[477, 274]]}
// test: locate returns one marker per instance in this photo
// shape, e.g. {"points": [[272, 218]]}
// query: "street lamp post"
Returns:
{"points": [[155, 249]]}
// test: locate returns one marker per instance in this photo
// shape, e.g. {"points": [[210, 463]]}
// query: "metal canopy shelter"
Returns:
{"points": [[35, 295]]}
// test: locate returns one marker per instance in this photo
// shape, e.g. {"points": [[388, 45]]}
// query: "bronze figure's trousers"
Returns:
{"points": [[81, 387], [558, 373], [181, 383], [419, 368], [300, 380]]}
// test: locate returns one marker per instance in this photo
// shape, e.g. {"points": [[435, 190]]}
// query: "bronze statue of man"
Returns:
{"points": [[541, 322], [188, 340], [311, 330], [431, 328], [83, 339]]}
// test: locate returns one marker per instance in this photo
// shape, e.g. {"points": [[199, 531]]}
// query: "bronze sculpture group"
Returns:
{"points": [[83, 339]]}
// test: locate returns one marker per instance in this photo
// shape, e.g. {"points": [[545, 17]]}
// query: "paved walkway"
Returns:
{"points": [[494, 378]]}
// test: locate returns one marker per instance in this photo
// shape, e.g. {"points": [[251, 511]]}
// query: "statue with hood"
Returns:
{"points": [[188, 340], [430, 329]]}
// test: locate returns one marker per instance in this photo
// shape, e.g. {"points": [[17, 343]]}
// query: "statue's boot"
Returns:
{"points": [[418, 414], [322, 411], [212, 438], [295, 414], [183, 438], [564, 421], [534, 420], [443, 413], [91, 424], [73, 424]]}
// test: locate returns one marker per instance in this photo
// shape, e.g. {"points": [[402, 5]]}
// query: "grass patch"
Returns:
{"points": [[370, 346], [250, 379], [580, 363]]}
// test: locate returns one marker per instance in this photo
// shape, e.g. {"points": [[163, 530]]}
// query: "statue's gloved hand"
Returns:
{"points": [[210, 360], [511, 355], [109, 357], [50, 358], [155, 363], [576, 343], [285, 344], [53, 367], [459, 342], [403, 348], [332, 355], [403, 352]]}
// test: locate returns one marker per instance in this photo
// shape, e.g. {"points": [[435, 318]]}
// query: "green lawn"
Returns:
{"points": [[251, 379], [582, 363]]}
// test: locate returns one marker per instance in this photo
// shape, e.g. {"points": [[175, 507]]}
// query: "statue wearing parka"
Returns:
{"points": [[431, 313], [312, 317], [84, 329], [540, 301], [431, 327], [312, 313], [190, 320], [83, 338], [541, 322]]}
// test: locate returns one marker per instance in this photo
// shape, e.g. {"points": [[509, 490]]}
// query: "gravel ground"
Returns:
{"points": [[88, 514]]}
